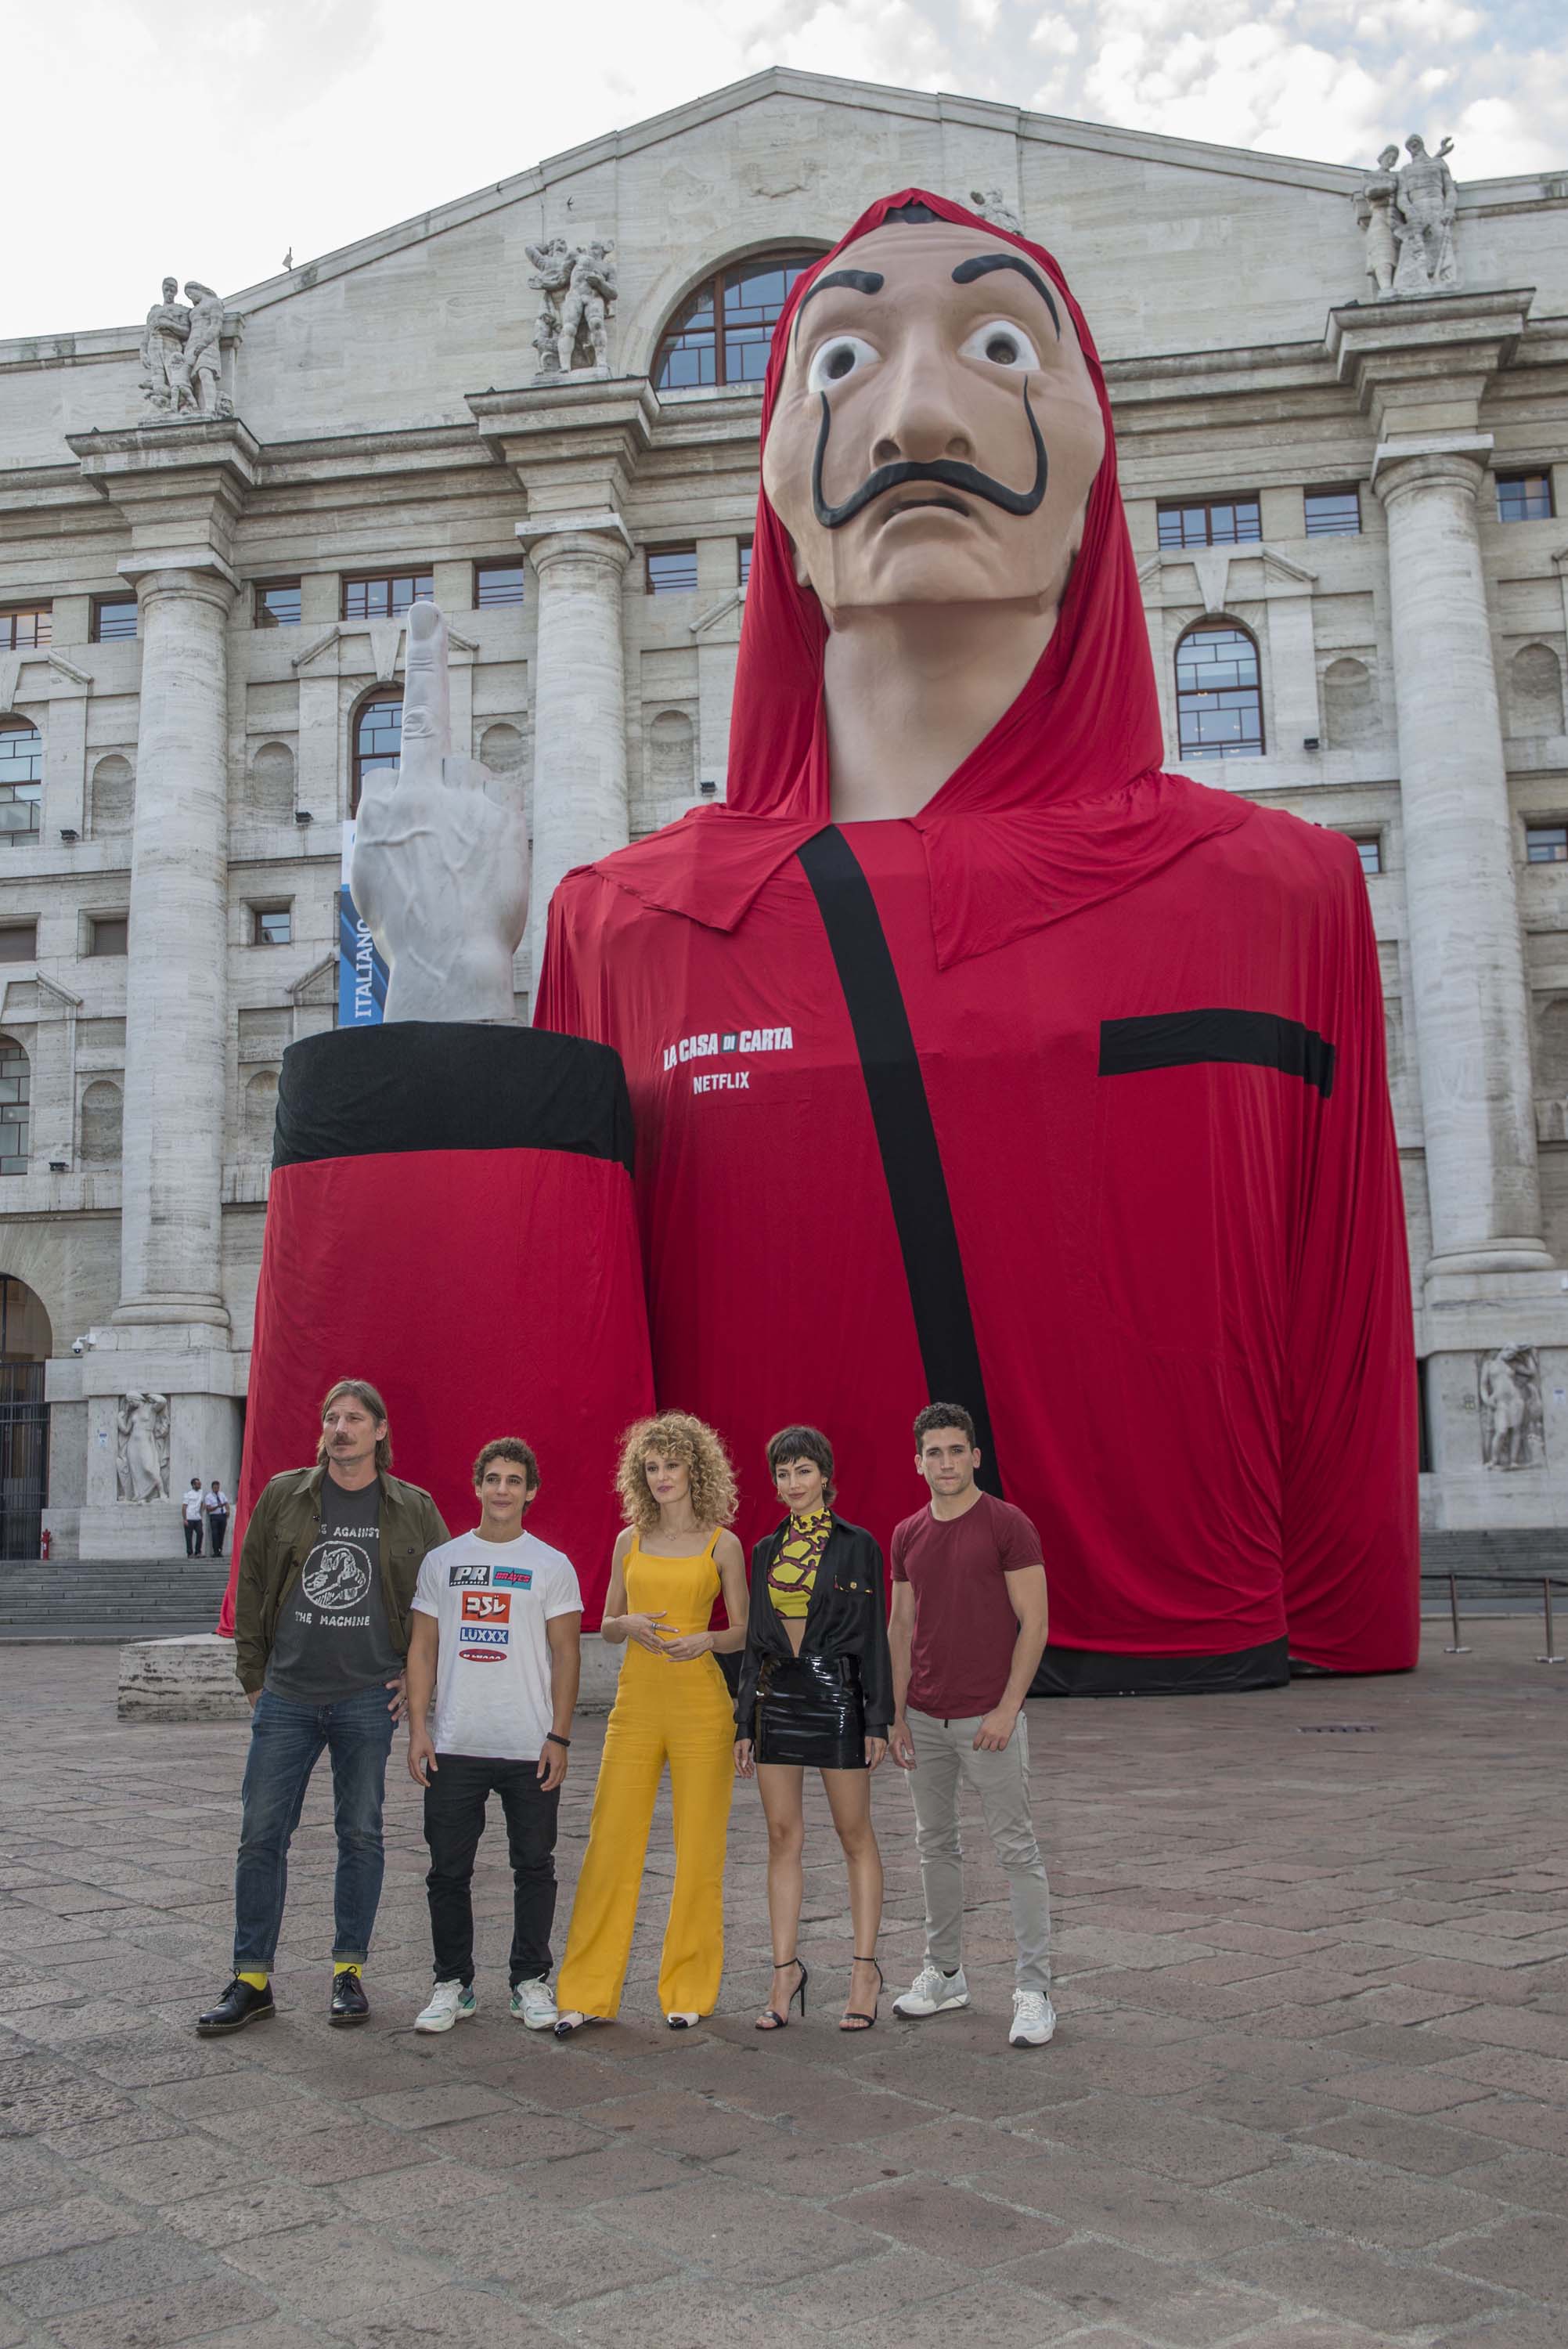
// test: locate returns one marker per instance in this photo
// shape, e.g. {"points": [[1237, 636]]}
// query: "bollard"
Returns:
{"points": [[1454, 1610], [1550, 1657]]}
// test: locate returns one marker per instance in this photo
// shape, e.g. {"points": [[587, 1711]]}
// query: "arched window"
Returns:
{"points": [[21, 779], [377, 739], [103, 1119], [16, 1106], [1219, 708], [721, 332]]}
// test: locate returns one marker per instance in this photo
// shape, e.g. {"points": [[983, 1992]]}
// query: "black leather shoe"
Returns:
{"points": [[349, 2003], [241, 2003]]}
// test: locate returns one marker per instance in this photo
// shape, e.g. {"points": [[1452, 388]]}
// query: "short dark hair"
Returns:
{"points": [[803, 1443], [942, 1414], [513, 1448]]}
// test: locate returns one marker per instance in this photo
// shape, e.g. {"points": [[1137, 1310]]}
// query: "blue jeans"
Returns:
{"points": [[286, 1743]]}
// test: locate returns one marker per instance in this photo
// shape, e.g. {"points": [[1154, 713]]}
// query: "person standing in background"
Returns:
{"points": [[215, 1502], [193, 1507]]}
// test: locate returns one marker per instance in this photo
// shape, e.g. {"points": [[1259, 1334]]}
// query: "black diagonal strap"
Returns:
{"points": [[901, 1113], [1181, 1040]]}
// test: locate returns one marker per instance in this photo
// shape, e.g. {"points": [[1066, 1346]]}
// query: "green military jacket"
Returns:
{"points": [[284, 1528]]}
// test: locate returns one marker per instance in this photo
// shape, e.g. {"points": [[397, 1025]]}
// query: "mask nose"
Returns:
{"points": [[921, 419]]}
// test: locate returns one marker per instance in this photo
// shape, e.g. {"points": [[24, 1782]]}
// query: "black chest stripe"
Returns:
{"points": [[906, 1138], [1183, 1039]]}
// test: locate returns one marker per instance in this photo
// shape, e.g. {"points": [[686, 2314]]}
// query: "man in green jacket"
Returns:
{"points": [[326, 1580]]}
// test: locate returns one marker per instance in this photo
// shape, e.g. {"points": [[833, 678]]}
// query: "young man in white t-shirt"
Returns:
{"points": [[495, 1634]]}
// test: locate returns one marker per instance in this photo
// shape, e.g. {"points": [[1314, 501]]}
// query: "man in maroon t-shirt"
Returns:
{"points": [[967, 1630]]}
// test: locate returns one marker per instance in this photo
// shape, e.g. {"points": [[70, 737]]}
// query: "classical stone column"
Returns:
{"points": [[580, 808], [176, 999], [1467, 961]]}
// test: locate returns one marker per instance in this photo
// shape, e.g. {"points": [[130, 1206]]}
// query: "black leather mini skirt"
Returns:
{"points": [[809, 1710]]}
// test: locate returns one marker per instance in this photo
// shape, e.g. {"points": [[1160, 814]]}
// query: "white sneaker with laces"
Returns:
{"points": [[933, 1993], [534, 2003], [1033, 2019], [450, 2001]]}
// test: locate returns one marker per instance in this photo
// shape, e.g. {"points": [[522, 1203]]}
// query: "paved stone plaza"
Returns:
{"points": [[1307, 2091]]}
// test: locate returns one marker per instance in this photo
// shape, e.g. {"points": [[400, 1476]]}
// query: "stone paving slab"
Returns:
{"points": [[1309, 2091]]}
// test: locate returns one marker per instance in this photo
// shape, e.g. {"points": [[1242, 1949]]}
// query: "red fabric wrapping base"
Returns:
{"points": [[485, 1292]]}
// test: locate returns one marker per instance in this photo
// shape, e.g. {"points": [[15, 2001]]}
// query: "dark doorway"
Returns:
{"points": [[25, 1343]]}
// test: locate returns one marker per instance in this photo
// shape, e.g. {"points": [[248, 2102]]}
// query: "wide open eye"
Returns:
{"points": [[1004, 343], [840, 356]]}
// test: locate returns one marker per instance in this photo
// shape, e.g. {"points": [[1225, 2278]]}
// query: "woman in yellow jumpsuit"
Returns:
{"points": [[671, 1561]]}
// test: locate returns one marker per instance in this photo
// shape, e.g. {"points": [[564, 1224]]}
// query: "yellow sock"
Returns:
{"points": [[346, 1966], [254, 1982]]}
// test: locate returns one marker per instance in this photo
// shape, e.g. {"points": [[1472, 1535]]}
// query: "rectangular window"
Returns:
{"points": [[387, 595], [1524, 497], [499, 586], [1333, 513], [271, 926], [1546, 844], [114, 619], [1233, 522], [25, 626], [277, 603], [1369, 848], [107, 934], [744, 571], [672, 570], [18, 941]]}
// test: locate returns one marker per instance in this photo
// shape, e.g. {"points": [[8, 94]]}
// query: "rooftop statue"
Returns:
{"points": [[1426, 204], [182, 354], [579, 287]]}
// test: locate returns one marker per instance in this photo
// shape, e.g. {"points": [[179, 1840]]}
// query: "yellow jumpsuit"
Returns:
{"points": [[663, 1712]]}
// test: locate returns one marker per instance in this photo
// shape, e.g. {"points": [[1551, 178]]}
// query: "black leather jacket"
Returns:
{"points": [[847, 1617]]}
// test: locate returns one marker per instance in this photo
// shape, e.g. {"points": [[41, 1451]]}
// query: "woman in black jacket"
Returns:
{"points": [[816, 1692]]}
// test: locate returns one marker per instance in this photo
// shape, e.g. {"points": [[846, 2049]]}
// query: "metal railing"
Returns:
{"points": [[1548, 1582]]}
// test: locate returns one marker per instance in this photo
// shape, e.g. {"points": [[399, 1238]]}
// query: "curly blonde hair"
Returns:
{"points": [[714, 1498]]}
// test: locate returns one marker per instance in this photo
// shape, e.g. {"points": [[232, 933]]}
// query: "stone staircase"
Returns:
{"points": [[1506, 1567], [110, 1599]]}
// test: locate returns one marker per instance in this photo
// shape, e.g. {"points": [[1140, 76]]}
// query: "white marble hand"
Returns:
{"points": [[440, 857]]}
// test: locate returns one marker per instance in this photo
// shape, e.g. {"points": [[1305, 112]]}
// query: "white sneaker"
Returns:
{"points": [[933, 1993], [534, 2003], [1033, 2019], [450, 2001]]}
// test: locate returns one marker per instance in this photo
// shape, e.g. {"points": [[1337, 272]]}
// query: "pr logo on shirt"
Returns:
{"points": [[468, 1577], [486, 1606], [519, 1578]]}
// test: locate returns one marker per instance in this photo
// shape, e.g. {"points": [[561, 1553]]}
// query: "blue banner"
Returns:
{"points": [[361, 973]]}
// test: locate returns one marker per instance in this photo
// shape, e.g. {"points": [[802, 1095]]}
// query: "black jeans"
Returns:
{"points": [[460, 1786], [193, 1538], [217, 1526]]}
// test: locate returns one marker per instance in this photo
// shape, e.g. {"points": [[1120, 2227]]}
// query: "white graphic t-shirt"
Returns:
{"points": [[491, 1601]]}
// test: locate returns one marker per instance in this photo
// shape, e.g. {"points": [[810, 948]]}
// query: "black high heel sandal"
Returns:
{"points": [[851, 2021], [770, 2019]]}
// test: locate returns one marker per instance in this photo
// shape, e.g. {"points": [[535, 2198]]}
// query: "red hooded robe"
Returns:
{"points": [[1065, 1101]]}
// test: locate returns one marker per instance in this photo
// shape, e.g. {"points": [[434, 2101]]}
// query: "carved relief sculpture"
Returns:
{"points": [[182, 356], [142, 1447], [1426, 204], [571, 333], [1513, 1432], [991, 205], [1378, 219]]}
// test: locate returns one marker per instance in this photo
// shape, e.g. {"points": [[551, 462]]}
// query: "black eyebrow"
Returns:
{"points": [[983, 265], [860, 281]]}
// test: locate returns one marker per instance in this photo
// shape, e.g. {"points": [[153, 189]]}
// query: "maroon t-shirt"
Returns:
{"points": [[965, 1627]]}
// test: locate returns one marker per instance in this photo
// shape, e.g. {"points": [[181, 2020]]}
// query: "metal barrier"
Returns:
{"points": [[1547, 1581]]}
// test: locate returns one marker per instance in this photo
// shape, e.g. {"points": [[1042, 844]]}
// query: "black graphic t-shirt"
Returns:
{"points": [[333, 1638]]}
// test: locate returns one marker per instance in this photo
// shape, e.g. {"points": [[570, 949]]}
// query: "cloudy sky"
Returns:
{"points": [[211, 138]]}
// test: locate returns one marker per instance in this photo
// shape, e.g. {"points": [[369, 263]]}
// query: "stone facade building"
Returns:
{"points": [[1343, 483]]}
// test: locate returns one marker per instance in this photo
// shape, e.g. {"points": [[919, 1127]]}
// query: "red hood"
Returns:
{"points": [[1061, 804]]}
